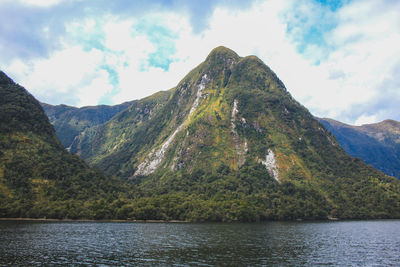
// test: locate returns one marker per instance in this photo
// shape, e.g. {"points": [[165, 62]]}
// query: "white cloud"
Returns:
{"points": [[367, 51], [70, 74], [120, 37], [93, 92], [129, 57], [364, 119]]}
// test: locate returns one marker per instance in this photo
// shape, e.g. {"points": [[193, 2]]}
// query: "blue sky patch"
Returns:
{"points": [[333, 5], [112, 74], [106, 99], [164, 41], [93, 39], [308, 30]]}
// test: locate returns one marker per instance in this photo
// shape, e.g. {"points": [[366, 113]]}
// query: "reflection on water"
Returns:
{"points": [[352, 243]]}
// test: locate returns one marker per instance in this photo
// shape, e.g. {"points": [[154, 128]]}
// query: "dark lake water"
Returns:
{"points": [[343, 243]]}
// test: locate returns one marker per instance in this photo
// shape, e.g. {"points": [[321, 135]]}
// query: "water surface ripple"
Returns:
{"points": [[345, 243]]}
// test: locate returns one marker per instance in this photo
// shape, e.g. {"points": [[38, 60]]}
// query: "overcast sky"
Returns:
{"points": [[340, 59]]}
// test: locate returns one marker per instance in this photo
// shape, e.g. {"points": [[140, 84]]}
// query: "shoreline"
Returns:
{"points": [[179, 221], [89, 220]]}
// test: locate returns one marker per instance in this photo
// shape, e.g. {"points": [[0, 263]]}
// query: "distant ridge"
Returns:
{"points": [[69, 122], [377, 144]]}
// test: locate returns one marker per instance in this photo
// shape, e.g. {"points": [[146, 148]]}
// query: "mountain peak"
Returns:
{"points": [[222, 51], [389, 124], [222, 55]]}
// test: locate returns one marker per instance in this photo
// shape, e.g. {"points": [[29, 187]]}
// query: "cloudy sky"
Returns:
{"points": [[339, 58]]}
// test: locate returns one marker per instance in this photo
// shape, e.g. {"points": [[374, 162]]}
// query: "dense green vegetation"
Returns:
{"points": [[377, 144], [252, 195], [201, 151]]}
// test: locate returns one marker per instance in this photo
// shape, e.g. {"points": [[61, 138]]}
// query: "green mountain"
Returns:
{"points": [[377, 144], [38, 178], [69, 121], [230, 143]]}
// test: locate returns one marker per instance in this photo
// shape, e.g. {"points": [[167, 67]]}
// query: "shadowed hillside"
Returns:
{"points": [[377, 144]]}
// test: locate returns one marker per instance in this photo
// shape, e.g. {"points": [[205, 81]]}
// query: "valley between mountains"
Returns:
{"points": [[228, 143]]}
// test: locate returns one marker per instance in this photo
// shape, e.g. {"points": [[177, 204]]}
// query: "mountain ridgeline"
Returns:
{"points": [[230, 143], [377, 144]]}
